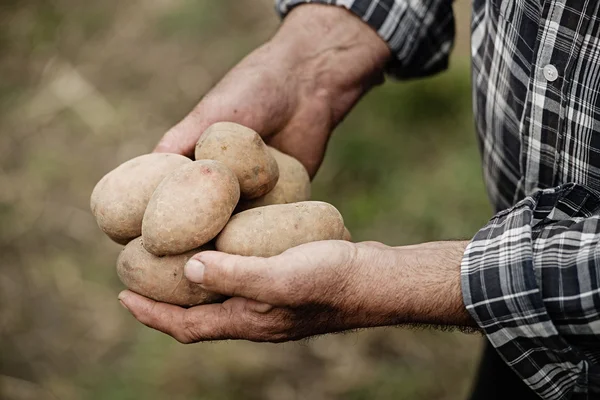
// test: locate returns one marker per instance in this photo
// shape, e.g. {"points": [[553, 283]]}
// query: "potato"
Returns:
{"points": [[161, 278], [347, 235], [292, 186], [270, 230], [244, 152], [190, 207], [120, 198]]}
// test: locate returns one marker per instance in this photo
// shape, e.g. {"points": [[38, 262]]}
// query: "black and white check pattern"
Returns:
{"points": [[531, 276], [420, 33]]}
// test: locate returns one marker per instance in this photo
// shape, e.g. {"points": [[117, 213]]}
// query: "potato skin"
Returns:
{"points": [[244, 152], [292, 186], [161, 278], [270, 230], [189, 207], [119, 199]]}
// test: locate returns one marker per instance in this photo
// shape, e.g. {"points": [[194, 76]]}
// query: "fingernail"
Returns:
{"points": [[194, 271], [123, 304]]}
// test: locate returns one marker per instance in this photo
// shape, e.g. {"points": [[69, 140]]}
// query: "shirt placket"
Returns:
{"points": [[542, 139], [550, 86]]}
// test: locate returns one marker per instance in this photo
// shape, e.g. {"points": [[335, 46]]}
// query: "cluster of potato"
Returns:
{"points": [[239, 196]]}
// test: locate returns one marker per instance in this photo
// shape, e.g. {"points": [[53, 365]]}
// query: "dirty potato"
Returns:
{"points": [[270, 230], [119, 200], [244, 152], [161, 278], [190, 207], [292, 186]]}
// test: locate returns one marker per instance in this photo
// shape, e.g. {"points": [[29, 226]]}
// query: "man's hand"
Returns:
{"points": [[316, 288], [294, 89]]}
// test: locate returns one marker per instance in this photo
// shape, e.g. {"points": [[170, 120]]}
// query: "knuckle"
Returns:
{"points": [[229, 321], [187, 330], [274, 326], [198, 111], [232, 267], [230, 313], [227, 274], [183, 338], [243, 280]]}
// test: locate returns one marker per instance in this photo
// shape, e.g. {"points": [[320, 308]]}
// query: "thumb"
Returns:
{"points": [[237, 276]]}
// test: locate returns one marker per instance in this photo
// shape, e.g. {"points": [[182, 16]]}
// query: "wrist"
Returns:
{"points": [[336, 56], [437, 296], [417, 284]]}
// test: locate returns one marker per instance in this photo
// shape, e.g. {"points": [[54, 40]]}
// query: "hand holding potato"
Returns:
{"points": [[185, 204], [161, 278], [315, 288], [293, 94], [292, 90]]}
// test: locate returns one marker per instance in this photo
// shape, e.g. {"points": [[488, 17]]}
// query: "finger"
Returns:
{"points": [[205, 322], [237, 318], [182, 138], [372, 243], [253, 278], [160, 316]]}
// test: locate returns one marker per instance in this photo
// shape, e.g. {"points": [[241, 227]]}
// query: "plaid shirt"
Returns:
{"points": [[531, 276]]}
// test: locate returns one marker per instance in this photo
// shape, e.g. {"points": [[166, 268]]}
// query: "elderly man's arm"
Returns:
{"points": [[299, 85], [313, 289], [530, 280]]}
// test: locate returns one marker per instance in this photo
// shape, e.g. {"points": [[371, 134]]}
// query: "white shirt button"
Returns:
{"points": [[550, 73]]}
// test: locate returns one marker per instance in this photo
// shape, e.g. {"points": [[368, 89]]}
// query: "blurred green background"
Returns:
{"points": [[85, 86]]}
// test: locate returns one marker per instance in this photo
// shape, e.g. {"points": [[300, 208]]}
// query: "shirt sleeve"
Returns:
{"points": [[420, 33], [531, 281]]}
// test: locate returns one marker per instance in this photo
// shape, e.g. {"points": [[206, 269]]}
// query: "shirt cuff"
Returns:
{"points": [[420, 34], [502, 294]]}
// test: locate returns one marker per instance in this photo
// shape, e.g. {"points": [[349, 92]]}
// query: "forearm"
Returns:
{"points": [[417, 284]]}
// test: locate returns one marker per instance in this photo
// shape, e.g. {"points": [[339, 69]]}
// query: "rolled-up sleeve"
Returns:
{"points": [[531, 281], [420, 33]]}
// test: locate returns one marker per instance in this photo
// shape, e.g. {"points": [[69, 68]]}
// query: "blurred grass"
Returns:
{"points": [[401, 165], [86, 86]]}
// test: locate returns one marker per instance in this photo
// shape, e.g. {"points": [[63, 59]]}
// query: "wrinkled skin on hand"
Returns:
{"points": [[294, 89], [315, 288]]}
